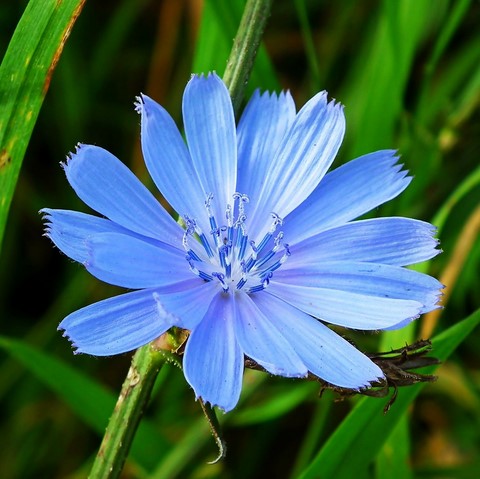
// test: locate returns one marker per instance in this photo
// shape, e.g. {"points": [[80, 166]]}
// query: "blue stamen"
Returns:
{"points": [[241, 283], [196, 271], [221, 278], [206, 245], [266, 258], [255, 289], [222, 254], [243, 240], [227, 249], [228, 271], [213, 225], [278, 263], [264, 241], [194, 255]]}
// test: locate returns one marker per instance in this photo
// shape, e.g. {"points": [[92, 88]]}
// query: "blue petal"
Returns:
{"points": [[263, 124], [191, 306], [213, 361], [261, 341], [324, 352], [347, 193], [344, 308], [168, 160], [105, 184], [117, 324], [395, 241], [368, 279], [69, 230], [211, 136], [126, 261], [303, 157]]}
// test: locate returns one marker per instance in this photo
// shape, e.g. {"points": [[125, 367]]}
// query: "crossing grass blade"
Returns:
{"points": [[367, 427], [378, 81], [25, 75]]}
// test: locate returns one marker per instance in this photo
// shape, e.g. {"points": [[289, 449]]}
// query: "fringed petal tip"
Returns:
{"points": [[439, 298], [267, 94], [371, 383], [333, 103], [73, 344], [46, 217], [72, 154], [63, 330], [48, 225], [203, 75], [139, 103], [322, 98], [48, 232]]}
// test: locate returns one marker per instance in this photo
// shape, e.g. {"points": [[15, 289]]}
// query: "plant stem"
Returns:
{"points": [[245, 46], [133, 398]]}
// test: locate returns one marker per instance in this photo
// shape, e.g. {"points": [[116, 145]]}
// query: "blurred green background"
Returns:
{"points": [[408, 72]]}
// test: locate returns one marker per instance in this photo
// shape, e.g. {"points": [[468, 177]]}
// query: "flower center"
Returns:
{"points": [[228, 255]]}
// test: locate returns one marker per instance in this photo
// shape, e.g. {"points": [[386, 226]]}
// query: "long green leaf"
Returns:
{"points": [[378, 81], [366, 425], [25, 76], [89, 400]]}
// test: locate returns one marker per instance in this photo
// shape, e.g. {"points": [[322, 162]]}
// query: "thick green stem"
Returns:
{"points": [[134, 396], [245, 46]]}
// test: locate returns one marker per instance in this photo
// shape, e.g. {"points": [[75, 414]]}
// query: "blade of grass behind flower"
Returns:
{"points": [[113, 39], [90, 401], [75, 98], [367, 427], [451, 24], [310, 53], [455, 86], [317, 430], [377, 83], [25, 76], [394, 455]]}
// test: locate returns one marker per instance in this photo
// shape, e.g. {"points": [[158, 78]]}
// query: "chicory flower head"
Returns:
{"points": [[266, 251]]}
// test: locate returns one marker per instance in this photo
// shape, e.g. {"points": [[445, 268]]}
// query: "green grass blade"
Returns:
{"points": [[468, 184], [377, 83], [452, 23], [89, 400], [394, 454], [366, 425], [310, 52], [393, 460], [25, 76]]}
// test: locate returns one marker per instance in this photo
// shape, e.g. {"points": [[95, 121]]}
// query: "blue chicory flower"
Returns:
{"points": [[266, 251]]}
